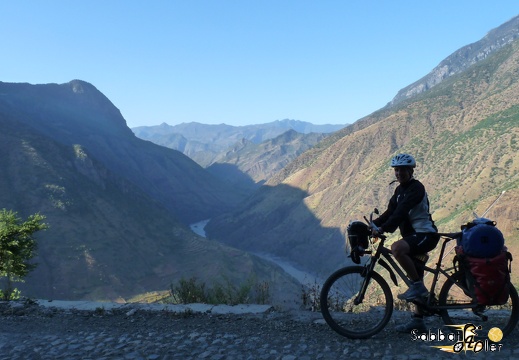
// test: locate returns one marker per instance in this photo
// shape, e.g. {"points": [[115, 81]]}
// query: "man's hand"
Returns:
{"points": [[376, 231]]}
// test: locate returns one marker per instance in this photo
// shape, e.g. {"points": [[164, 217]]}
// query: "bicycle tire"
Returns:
{"points": [[504, 317], [356, 321]]}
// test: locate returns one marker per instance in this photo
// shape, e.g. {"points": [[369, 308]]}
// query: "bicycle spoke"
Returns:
{"points": [[340, 307]]}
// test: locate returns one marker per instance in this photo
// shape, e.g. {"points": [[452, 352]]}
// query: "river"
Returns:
{"points": [[305, 278]]}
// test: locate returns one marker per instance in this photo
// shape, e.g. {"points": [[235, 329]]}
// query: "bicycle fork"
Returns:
{"points": [[366, 274]]}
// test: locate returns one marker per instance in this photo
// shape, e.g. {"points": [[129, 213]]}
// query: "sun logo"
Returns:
{"points": [[495, 334]]}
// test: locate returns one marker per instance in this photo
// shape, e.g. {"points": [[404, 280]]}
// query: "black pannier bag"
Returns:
{"points": [[358, 235]]}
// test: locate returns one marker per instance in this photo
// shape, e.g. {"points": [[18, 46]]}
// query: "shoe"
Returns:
{"points": [[416, 290], [415, 323]]}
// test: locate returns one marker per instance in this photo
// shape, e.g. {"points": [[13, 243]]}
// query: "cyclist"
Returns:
{"points": [[408, 210]]}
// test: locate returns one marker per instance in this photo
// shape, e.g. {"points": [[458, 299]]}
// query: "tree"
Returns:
{"points": [[17, 247]]}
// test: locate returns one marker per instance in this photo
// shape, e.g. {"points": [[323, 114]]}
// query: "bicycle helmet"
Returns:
{"points": [[403, 160]]}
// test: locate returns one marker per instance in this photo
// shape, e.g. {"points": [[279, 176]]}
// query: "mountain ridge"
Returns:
{"points": [[205, 142], [192, 195], [461, 59]]}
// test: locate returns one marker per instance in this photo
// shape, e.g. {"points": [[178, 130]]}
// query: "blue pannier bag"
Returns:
{"points": [[482, 239]]}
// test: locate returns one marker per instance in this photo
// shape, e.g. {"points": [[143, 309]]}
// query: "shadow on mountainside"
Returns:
{"points": [[229, 173], [276, 220]]}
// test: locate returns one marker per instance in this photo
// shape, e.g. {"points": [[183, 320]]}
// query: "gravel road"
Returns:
{"points": [[30, 331]]}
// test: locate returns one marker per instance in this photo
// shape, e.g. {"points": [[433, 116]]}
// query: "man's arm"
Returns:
{"points": [[410, 198]]}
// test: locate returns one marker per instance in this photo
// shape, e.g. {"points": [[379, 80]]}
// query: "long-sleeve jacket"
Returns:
{"points": [[408, 210]]}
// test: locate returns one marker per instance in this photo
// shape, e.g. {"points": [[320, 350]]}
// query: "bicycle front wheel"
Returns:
{"points": [[340, 311], [504, 317]]}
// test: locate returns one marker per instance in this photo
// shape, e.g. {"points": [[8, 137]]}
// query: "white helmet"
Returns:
{"points": [[403, 160]]}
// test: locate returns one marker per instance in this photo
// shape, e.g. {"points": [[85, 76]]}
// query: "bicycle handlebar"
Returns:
{"points": [[454, 235], [375, 227]]}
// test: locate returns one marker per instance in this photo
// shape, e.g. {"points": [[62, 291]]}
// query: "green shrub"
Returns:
{"points": [[188, 291], [17, 248]]}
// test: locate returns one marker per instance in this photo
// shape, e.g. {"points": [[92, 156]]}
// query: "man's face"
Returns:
{"points": [[402, 174]]}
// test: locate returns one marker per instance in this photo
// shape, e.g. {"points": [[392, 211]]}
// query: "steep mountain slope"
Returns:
{"points": [[77, 113], [464, 133], [108, 239], [203, 143], [462, 59], [249, 165]]}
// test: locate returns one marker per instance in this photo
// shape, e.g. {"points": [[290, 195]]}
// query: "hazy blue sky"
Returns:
{"points": [[239, 61]]}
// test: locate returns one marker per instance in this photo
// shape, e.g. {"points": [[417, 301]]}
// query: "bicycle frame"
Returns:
{"points": [[383, 256]]}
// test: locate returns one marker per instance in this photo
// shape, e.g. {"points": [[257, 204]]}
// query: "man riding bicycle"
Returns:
{"points": [[408, 210]]}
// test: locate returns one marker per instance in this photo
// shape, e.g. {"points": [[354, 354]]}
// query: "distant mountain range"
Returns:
{"points": [[246, 156], [220, 137]]}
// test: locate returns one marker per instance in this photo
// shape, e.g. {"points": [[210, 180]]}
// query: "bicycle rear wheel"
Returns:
{"points": [[504, 317], [338, 306]]}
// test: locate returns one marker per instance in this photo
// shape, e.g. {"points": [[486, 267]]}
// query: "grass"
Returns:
{"points": [[193, 290], [310, 297]]}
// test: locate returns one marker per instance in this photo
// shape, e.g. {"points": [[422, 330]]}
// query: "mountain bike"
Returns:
{"points": [[357, 302]]}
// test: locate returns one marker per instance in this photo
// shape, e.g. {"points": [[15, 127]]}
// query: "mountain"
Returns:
{"points": [[248, 165], [462, 59], [67, 154], [464, 133], [204, 143], [77, 113]]}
